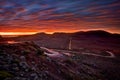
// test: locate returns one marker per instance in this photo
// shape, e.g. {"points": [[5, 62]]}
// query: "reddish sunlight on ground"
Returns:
{"points": [[11, 42]]}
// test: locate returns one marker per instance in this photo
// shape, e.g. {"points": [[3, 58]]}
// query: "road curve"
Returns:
{"points": [[57, 53], [110, 56]]}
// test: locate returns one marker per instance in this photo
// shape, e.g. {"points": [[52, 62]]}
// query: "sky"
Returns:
{"points": [[31, 16]]}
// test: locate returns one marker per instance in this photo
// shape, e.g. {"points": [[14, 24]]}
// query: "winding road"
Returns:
{"points": [[57, 53]]}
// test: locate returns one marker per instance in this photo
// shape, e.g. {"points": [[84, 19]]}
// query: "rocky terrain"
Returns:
{"points": [[28, 61]]}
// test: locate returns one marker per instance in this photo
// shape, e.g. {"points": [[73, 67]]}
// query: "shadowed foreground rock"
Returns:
{"points": [[27, 61]]}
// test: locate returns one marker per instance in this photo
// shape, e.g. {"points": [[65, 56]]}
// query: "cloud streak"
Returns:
{"points": [[59, 15]]}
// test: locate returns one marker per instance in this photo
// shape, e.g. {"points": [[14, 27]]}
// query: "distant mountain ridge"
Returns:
{"points": [[97, 33]]}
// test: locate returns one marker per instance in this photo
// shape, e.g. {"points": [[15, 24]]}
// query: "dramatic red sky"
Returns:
{"points": [[19, 17]]}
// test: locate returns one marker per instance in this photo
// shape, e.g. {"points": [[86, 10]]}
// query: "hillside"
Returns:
{"points": [[92, 40], [27, 61], [1, 39]]}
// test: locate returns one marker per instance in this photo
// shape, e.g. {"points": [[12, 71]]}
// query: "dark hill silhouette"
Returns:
{"points": [[95, 33]]}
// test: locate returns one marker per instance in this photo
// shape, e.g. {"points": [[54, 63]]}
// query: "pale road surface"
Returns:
{"points": [[51, 53], [111, 55], [56, 53]]}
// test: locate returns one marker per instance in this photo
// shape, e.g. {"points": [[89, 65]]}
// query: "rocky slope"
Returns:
{"points": [[27, 61]]}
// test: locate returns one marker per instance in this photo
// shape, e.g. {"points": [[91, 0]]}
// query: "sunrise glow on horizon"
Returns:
{"points": [[17, 33], [26, 17], [13, 34]]}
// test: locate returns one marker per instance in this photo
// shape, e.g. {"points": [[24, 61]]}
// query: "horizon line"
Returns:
{"points": [[14, 34]]}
